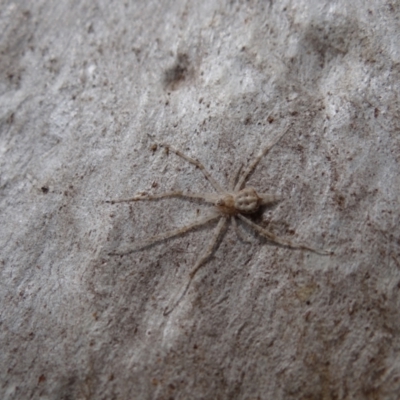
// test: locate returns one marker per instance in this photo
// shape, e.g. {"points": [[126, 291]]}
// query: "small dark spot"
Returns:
{"points": [[10, 119], [340, 200], [27, 14], [270, 119], [178, 72], [376, 112], [44, 189], [41, 379]]}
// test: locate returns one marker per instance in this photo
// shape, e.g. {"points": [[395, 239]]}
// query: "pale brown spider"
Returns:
{"points": [[229, 204]]}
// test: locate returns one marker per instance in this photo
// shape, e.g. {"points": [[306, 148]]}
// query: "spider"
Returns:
{"points": [[237, 202]]}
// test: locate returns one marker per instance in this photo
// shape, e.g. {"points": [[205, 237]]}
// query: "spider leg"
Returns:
{"points": [[396, 260], [267, 199], [234, 178], [255, 162], [198, 164], [166, 235], [239, 233], [283, 242], [209, 198], [201, 261]]}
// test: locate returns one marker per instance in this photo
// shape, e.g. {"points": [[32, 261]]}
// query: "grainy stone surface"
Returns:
{"points": [[86, 89]]}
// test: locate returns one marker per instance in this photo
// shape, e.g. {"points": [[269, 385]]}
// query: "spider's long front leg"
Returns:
{"points": [[166, 235], [209, 198], [219, 230], [198, 164], [255, 162], [283, 242]]}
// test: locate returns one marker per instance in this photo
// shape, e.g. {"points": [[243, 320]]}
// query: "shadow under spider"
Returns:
{"points": [[229, 205]]}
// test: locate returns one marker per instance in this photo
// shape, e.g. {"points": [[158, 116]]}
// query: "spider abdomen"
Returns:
{"points": [[245, 201]]}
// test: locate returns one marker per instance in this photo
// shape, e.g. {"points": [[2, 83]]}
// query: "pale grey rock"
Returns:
{"points": [[86, 89]]}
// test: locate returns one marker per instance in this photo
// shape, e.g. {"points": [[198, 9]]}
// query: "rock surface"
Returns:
{"points": [[87, 91]]}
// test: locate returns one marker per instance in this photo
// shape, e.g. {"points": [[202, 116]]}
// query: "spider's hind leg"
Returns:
{"points": [[283, 242], [240, 234]]}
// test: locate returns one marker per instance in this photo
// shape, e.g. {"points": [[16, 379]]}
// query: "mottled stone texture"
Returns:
{"points": [[86, 90]]}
